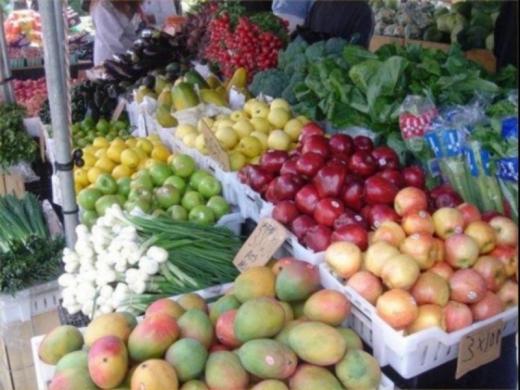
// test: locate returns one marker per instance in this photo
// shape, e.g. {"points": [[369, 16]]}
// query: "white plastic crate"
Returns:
{"points": [[232, 221], [409, 355], [29, 302], [45, 372]]}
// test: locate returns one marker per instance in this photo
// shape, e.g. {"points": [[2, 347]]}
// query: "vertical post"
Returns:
{"points": [[5, 72], [60, 114]]}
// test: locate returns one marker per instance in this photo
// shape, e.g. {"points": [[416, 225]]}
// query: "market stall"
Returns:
{"points": [[339, 217]]}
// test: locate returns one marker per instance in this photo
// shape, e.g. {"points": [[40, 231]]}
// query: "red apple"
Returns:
{"points": [[377, 255], [286, 186], [421, 247], [345, 258], [508, 293], [470, 213], [420, 222], [390, 232], [410, 200], [461, 250], [362, 163], [272, 160], [300, 225], [269, 193], [483, 234], [457, 316], [448, 221], [385, 157], [327, 210], [317, 238], [508, 256], [489, 215], [451, 199], [353, 195], [243, 174], [428, 316], [316, 144], [442, 269], [439, 252], [398, 308], [379, 191], [431, 288], [285, 212], [367, 285], [289, 167], [506, 231], [259, 179], [341, 145], [329, 181], [307, 198], [362, 143], [414, 177], [492, 270], [308, 164], [352, 233], [467, 286], [337, 163], [309, 129], [441, 189], [487, 307], [400, 271], [350, 217], [380, 213], [393, 176]]}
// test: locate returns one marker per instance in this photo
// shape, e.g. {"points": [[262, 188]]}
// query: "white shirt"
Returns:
{"points": [[115, 32], [160, 9]]}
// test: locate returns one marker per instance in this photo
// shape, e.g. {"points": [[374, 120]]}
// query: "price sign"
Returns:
{"points": [[215, 151], [119, 110], [479, 347], [261, 245]]}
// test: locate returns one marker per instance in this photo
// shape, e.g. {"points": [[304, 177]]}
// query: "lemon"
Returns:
{"points": [[160, 152], [150, 163], [278, 140], [303, 119], [89, 149], [280, 103], [101, 152], [227, 137], [121, 171], [89, 159], [105, 164], [250, 146], [145, 145], [93, 174], [114, 152], [131, 142], [77, 188], [189, 140], [262, 137], [130, 158], [243, 128], [237, 160], [81, 177], [200, 144], [184, 129], [278, 117], [293, 128], [100, 142], [238, 115], [118, 141], [140, 153]]}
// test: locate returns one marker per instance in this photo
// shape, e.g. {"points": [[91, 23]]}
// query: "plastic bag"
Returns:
{"points": [[24, 170], [53, 222]]}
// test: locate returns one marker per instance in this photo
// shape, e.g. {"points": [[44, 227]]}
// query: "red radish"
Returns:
{"points": [[327, 210], [317, 238], [457, 316], [379, 191], [307, 198], [362, 163], [393, 176], [285, 212], [316, 144], [272, 160], [353, 233], [300, 225], [329, 181], [341, 144], [385, 157], [308, 164], [362, 143], [414, 177], [487, 307]]}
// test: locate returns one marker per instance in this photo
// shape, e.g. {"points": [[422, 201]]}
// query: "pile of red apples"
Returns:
{"points": [[446, 269]]}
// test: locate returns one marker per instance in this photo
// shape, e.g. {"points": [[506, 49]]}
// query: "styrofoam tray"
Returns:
{"points": [[409, 355]]}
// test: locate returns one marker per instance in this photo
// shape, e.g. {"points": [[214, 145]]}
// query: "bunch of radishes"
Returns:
{"points": [[31, 94], [447, 269], [330, 189]]}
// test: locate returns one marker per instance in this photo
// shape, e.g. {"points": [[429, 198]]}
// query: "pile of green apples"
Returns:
{"points": [[84, 132], [178, 189]]}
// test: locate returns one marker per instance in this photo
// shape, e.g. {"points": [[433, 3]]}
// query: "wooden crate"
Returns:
{"points": [[11, 184], [16, 363]]}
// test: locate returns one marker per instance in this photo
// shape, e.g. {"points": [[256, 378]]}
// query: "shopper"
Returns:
{"points": [[293, 11], [116, 23], [506, 35]]}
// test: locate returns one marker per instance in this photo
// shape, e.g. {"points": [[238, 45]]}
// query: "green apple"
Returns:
{"points": [[123, 186], [106, 184], [192, 199], [140, 193], [219, 206], [183, 165], [167, 196], [87, 198], [103, 203], [159, 173], [197, 177], [178, 213], [202, 215], [88, 217], [142, 180], [177, 182], [209, 186]]}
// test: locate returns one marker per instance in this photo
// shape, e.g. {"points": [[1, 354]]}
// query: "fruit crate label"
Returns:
{"points": [[119, 110], [479, 347], [261, 245], [215, 151]]}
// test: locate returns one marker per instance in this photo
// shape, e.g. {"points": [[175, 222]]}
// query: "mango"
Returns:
{"points": [[192, 301], [188, 357], [270, 384], [259, 318], [224, 372], [289, 315], [59, 342], [194, 385], [297, 281], [72, 379], [195, 324], [317, 343], [108, 362], [165, 98], [255, 282], [154, 374], [267, 359], [76, 359], [309, 377], [283, 336], [221, 305], [167, 306], [225, 329], [112, 324], [328, 306], [164, 117], [152, 337], [184, 96], [130, 318], [351, 338], [358, 370], [297, 308], [211, 96]]}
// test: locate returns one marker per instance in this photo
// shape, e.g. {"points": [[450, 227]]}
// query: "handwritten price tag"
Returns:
{"points": [[119, 110], [261, 245], [215, 151], [479, 347]]}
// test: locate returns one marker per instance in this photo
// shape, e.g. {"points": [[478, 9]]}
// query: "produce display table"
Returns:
{"points": [[35, 72]]}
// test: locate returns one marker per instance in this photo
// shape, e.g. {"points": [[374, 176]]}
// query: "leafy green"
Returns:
{"points": [[15, 144], [271, 82]]}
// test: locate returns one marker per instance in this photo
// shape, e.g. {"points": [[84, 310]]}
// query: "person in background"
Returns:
{"points": [[506, 35], [293, 11], [116, 23], [157, 11]]}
